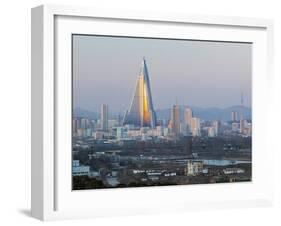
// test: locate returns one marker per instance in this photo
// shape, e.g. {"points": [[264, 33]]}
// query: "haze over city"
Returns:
{"points": [[196, 73]]}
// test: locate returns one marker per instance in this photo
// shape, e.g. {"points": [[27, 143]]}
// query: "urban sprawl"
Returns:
{"points": [[140, 149]]}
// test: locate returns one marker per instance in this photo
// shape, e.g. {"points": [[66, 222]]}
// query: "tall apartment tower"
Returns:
{"points": [[175, 120], [234, 116], [104, 117], [195, 127], [141, 112], [216, 126], [188, 114]]}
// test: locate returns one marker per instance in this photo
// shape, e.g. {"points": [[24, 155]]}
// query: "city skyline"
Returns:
{"points": [[87, 87], [172, 129], [158, 137]]}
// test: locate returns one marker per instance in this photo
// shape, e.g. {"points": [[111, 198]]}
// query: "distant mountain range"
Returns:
{"points": [[79, 112], [212, 113]]}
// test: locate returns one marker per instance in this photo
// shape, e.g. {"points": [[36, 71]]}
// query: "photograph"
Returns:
{"points": [[150, 111]]}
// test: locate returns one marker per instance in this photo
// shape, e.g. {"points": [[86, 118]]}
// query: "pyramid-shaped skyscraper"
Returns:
{"points": [[141, 112]]}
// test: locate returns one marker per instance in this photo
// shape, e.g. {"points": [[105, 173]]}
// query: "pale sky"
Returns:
{"points": [[195, 73]]}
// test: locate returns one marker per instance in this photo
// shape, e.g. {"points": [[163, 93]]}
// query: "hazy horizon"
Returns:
{"points": [[160, 109], [191, 73]]}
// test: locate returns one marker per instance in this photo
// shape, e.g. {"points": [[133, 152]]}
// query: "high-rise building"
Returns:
{"points": [[243, 125], [141, 112], [235, 126], [119, 120], [211, 131], [248, 129], [85, 123], [75, 125], [216, 126], [104, 117], [184, 129], [234, 116], [120, 132], [188, 114], [112, 123], [159, 130], [175, 120], [195, 127]]}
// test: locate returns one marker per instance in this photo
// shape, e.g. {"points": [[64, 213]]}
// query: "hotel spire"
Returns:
{"points": [[141, 112]]}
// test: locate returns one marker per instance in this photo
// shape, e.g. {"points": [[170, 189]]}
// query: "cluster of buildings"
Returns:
{"points": [[140, 120], [105, 128], [98, 129], [240, 125], [112, 178], [190, 126], [79, 170], [114, 128], [176, 163]]}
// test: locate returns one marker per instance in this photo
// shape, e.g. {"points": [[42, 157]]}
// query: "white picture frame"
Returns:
{"points": [[52, 197]]}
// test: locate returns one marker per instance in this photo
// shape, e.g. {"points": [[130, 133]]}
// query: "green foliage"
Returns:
{"points": [[84, 182]]}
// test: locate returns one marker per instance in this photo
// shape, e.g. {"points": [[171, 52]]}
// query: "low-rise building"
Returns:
{"points": [[194, 167], [233, 171], [78, 170]]}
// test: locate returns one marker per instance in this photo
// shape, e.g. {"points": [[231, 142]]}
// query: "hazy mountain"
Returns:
{"points": [[211, 113], [79, 112]]}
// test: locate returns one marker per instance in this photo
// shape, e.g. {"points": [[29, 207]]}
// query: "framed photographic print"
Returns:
{"points": [[136, 112]]}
